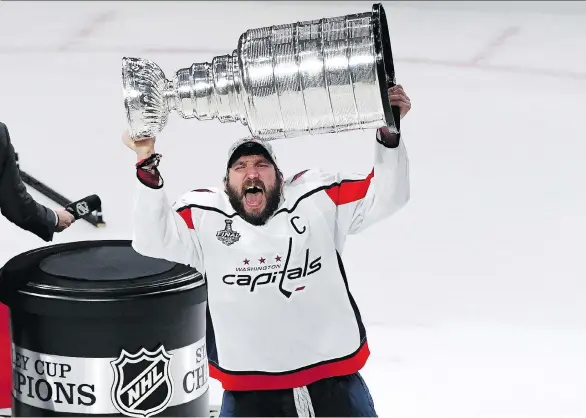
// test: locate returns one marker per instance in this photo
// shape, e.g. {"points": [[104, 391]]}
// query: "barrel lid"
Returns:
{"points": [[96, 270]]}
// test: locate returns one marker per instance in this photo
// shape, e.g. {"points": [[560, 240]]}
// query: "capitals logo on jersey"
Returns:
{"points": [[281, 272]]}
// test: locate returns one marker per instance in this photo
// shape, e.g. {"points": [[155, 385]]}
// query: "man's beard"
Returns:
{"points": [[272, 195]]}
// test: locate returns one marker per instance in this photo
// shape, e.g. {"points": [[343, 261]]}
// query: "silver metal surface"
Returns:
{"points": [[306, 78], [96, 385]]}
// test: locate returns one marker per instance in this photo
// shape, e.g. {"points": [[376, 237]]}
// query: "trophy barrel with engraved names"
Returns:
{"points": [[306, 78]]}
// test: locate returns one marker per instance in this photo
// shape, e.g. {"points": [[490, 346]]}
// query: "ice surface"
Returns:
{"points": [[473, 295]]}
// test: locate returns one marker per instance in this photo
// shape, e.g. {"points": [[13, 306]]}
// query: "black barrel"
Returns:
{"points": [[100, 330]]}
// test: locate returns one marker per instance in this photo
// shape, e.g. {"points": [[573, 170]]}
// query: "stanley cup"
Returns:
{"points": [[306, 78]]}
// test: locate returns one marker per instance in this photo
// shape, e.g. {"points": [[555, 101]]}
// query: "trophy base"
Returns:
{"points": [[385, 66]]}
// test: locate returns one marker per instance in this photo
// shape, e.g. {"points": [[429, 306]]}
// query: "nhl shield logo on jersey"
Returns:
{"points": [[227, 235], [142, 382]]}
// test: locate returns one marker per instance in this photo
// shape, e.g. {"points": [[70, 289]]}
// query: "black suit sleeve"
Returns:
{"points": [[16, 204]]}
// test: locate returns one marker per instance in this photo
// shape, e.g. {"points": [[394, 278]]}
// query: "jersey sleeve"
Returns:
{"points": [[363, 200], [164, 230]]}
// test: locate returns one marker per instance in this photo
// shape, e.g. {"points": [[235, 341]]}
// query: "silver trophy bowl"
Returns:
{"points": [[306, 78]]}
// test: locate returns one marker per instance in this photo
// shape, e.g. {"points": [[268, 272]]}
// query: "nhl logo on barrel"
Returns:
{"points": [[142, 382]]}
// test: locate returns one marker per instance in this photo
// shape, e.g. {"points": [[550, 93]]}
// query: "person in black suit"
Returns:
{"points": [[17, 205]]}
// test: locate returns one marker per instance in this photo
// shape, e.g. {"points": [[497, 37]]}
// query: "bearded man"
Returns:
{"points": [[284, 334]]}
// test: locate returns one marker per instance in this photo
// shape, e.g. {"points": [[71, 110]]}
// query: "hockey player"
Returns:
{"points": [[284, 335]]}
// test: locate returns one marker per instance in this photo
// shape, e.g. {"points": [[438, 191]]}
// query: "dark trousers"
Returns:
{"points": [[343, 396]]}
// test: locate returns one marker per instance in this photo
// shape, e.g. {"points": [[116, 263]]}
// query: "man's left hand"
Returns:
{"points": [[398, 97]]}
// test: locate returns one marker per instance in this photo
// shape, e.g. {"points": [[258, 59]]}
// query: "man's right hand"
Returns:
{"points": [[64, 220], [143, 148]]}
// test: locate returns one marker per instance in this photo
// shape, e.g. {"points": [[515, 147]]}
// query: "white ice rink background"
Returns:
{"points": [[474, 294]]}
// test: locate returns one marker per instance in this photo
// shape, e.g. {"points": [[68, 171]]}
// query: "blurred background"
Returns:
{"points": [[473, 295]]}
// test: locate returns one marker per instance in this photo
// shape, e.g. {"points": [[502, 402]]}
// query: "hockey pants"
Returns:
{"points": [[342, 396]]}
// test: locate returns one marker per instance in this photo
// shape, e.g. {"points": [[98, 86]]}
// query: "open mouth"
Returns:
{"points": [[253, 196]]}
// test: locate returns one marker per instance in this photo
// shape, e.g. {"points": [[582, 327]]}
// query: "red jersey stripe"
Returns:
{"points": [[350, 191], [292, 380], [185, 213]]}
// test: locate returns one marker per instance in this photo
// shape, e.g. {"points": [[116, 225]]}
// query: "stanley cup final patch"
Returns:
{"points": [[142, 382], [227, 235]]}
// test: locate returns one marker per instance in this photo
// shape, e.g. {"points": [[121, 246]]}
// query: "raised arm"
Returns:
{"points": [[161, 230], [362, 200]]}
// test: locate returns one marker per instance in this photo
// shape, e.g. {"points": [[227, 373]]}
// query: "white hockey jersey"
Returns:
{"points": [[280, 312]]}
